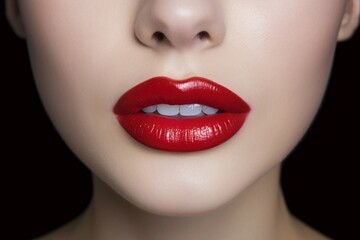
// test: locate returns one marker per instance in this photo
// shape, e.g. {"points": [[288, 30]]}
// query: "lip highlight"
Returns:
{"points": [[181, 134]]}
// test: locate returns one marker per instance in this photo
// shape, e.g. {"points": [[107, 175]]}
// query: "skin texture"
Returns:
{"points": [[276, 55]]}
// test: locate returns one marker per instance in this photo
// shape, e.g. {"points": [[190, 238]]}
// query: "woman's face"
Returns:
{"points": [[275, 54]]}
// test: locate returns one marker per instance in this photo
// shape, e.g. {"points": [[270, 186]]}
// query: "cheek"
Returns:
{"points": [[79, 53], [302, 45], [281, 55]]}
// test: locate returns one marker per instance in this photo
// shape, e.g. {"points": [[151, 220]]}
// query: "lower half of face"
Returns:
{"points": [[275, 55]]}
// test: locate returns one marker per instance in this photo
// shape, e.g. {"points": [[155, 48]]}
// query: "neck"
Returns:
{"points": [[257, 213]]}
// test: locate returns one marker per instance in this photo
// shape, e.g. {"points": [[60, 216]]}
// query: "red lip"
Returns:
{"points": [[181, 134]]}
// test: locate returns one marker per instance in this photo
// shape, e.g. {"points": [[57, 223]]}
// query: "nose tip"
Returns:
{"points": [[180, 24]]}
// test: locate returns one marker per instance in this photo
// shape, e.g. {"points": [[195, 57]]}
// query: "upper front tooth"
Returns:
{"points": [[184, 110], [190, 109], [168, 110], [209, 110], [150, 109]]}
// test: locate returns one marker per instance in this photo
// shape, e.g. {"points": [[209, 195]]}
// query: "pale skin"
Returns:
{"points": [[276, 54]]}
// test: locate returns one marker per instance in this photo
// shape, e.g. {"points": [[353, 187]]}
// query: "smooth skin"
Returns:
{"points": [[275, 54]]}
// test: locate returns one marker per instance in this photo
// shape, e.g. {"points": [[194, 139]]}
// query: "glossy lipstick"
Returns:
{"points": [[181, 134]]}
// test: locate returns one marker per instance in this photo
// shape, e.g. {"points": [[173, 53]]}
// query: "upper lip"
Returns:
{"points": [[163, 90]]}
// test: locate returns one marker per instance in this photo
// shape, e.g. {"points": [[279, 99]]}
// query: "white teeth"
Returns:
{"points": [[168, 110], [209, 110], [190, 109], [183, 110], [150, 109]]}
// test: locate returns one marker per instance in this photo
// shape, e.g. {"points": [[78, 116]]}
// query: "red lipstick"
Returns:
{"points": [[181, 134]]}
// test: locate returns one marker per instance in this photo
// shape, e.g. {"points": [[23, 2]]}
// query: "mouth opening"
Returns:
{"points": [[181, 111]]}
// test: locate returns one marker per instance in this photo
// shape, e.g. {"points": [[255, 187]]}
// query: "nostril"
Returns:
{"points": [[159, 36], [203, 35]]}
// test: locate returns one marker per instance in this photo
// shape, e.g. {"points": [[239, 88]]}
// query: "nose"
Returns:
{"points": [[180, 24]]}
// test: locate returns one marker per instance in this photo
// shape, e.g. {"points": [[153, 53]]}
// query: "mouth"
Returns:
{"points": [[181, 115]]}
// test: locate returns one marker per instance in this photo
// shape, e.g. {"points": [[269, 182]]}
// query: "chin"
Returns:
{"points": [[180, 185], [189, 205]]}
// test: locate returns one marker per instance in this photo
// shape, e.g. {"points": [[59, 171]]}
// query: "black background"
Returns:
{"points": [[44, 185]]}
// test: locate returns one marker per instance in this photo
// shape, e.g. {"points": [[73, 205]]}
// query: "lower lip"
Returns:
{"points": [[182, 134]]}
